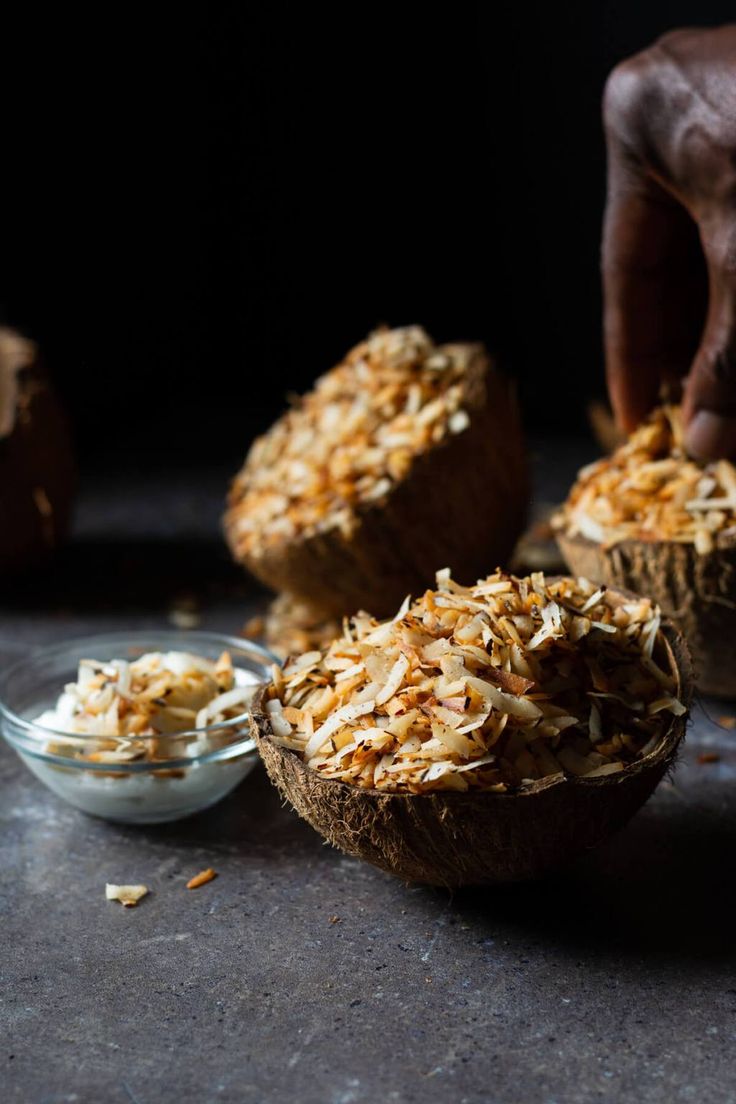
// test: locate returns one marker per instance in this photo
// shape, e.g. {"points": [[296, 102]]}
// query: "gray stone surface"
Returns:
{"points": [[300, 975]]}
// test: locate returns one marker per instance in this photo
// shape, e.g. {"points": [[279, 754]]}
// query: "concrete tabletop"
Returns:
{"points": [[301, 975]]}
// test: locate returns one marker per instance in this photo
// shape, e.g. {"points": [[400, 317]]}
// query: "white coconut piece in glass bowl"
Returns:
{"points": [[138, 728]]}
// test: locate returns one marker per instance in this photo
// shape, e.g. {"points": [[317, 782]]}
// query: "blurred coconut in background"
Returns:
{"points": [[406, 457]]}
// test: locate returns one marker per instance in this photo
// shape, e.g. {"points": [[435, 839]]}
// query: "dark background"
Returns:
{"points": [[204, 209]]}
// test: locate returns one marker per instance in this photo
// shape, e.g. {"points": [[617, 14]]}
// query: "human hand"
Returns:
{"points": [[669, 236]]}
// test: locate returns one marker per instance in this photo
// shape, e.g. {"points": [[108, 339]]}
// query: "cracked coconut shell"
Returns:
{"points": [[37, 472], [696, 590], [477, 837], [461, 501]]}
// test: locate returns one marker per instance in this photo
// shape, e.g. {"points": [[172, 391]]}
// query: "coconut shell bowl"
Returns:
{"points": [[652, 520], [405, 456], [484, 735]]}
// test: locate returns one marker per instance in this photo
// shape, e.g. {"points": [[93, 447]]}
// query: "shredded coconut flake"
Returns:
{"points": [[350, 440], [489, 687], [135, 711], [649, 489]]}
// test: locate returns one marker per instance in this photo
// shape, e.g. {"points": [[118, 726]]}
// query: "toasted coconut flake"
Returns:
{"points": [[507, 680], [128, 895], [122, 708], [420, 703], [302, 663], [670, 704], [279, 722], [202, 878], [651, 490], [394, 681], [603, 626], [339, 718], [401, 612], [349, 440]]}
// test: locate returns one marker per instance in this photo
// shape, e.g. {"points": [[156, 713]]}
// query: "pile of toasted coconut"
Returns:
{"points": [[489, 687], [650, 490], [129, 712], [291, 626], [347, 442]]}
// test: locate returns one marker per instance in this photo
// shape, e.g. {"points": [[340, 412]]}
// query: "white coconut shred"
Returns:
{"points": [[133, 711], [146, 714]]}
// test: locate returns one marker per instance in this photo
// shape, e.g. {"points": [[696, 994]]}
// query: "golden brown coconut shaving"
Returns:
{"points": [[505, 826], [652, 520], [405, 455], [651, 490], [490, 687]]}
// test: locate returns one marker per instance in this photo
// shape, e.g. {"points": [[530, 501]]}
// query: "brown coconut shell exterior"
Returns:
{"points": [[461, 505], [37, 475], [698, 592], [475, 838]]}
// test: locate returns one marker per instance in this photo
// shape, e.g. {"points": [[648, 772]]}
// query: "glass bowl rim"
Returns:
{"points": [[125, 637]]}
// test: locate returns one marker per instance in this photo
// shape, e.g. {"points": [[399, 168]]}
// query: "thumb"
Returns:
{"points": [[709, 401]]}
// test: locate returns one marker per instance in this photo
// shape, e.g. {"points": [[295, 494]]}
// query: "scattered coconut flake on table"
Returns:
{"points": [[486, 687], [649, 489], [202, 878], [128, 895]]}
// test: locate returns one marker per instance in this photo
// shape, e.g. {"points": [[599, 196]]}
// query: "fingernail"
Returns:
{"points": [[710, 436]]}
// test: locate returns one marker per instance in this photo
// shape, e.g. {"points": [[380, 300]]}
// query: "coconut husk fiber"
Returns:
{"points": [[696, 590]]}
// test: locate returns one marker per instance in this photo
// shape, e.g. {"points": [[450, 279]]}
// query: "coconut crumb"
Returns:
{"points": [[128, 895], [651, 490], [488, 687], [350, 440], [184, 612], [202, 878]]}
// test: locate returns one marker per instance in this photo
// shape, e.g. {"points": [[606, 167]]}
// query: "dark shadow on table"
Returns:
{"points": [[663, 887], [253, 818]]}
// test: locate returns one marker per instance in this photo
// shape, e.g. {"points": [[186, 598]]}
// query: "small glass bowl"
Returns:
{"points": [[131, 792]]}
